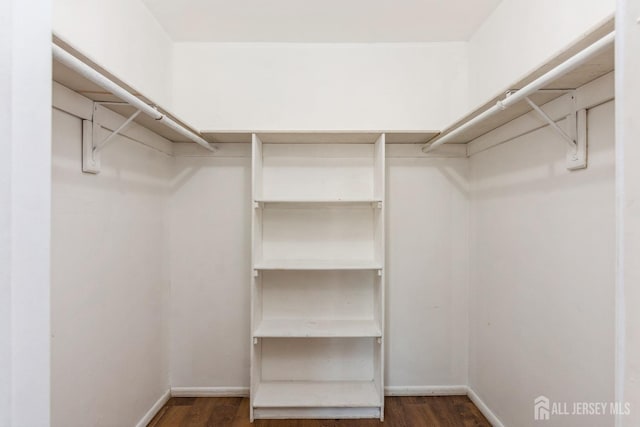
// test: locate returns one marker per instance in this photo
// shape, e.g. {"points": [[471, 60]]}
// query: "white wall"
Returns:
{"points": [[210, 267], [123, 37], [320, 86], [25, 165], [427, 271], [542, 274], [628, 208], [520, 35], [210, 263], [110, 281], [521, 196]]}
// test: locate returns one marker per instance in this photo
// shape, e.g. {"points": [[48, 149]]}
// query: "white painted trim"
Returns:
{"points": [[146, 419], [415, 150], [488, 413], [242, 149], [71, 102], [225, 149], [627, 131], [210, 391], [25, 217], [438, 390], [429, 390]]}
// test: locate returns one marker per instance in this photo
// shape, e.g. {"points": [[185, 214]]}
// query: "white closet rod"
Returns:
{"points": [[539, 83], [89, 73]]}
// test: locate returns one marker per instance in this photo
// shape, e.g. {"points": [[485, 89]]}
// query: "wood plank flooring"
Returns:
{"points": [[446, 411]]}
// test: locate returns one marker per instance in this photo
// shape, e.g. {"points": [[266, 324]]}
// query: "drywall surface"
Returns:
{"points": [[25, 186], [427, 272], [356, 21], [110, 281], [628, 209], [320, 86], [123, 37], [210, 269], [520, 35], [542, 275]]}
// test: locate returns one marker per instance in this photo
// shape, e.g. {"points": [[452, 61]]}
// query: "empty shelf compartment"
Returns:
{"points": [[321, 328], [316, 394]]}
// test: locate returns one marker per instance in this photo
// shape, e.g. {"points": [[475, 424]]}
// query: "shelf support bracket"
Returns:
{"points": [[575, 135], [255, 341], [99, 146], [91, 144], [572, 142]]}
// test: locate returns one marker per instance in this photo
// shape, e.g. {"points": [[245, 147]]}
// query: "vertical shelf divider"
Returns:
{"points": [[256, 251], [379, 190]]}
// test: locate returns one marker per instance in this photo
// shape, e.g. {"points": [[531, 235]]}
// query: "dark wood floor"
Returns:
{"points": [[449, 411]]}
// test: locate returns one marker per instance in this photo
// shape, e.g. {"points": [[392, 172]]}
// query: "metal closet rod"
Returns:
{"points": [[89, 73], [539, 83]]}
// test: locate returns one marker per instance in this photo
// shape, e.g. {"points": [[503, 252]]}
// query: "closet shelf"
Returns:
{"points": [[320, 328], [316, 394], [77, 82], [337, 264], [596, 66], [324, 137], [319, 202]]}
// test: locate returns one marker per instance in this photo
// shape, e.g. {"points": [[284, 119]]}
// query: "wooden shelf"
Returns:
{"points": [[88, 89], [321, 328], [325, 137], [596, 67], [316, 394], [338, 264], [320, 202]]}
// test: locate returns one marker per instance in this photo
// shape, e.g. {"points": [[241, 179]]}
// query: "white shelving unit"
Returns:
{"points": [[317, 286]]}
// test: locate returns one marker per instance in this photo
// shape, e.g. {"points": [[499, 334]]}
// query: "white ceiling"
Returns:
{"points": [[331, 21]]}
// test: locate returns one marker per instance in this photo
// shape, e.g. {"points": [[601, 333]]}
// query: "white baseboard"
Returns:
{"points": [[489, 415], [429, 390], [438, 390], [154, 409], [210, 391], [443, 390]]}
